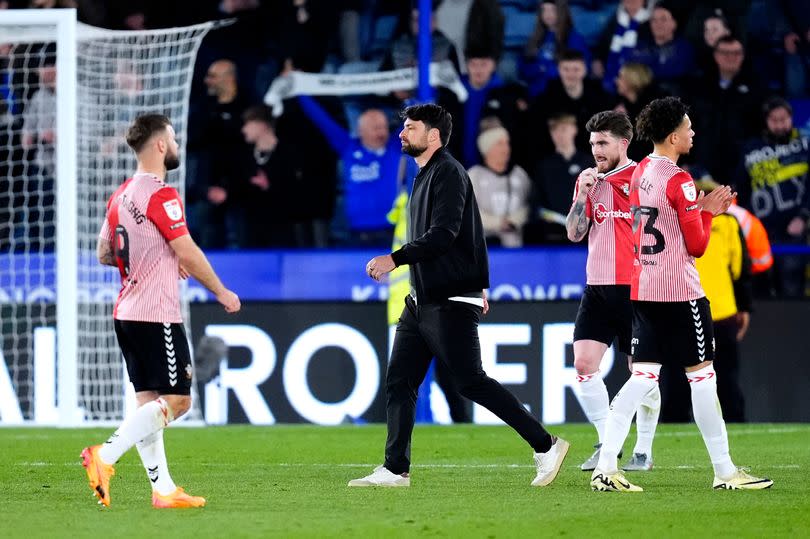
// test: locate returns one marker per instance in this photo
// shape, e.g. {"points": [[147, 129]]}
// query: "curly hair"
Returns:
{"points": [[660, 118]]}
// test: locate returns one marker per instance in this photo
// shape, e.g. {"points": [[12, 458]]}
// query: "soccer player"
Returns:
{"points": [[145, 235], [671, 318], [601, 209]]}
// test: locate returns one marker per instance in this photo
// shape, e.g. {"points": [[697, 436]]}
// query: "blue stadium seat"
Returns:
{"points": [[518, 26], [522, 5], [382, 36]]}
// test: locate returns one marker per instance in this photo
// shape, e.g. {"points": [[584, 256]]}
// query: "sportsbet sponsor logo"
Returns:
{"points": [[601, 213]]}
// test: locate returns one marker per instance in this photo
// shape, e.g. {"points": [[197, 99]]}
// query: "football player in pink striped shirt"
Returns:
{"points": [[145, 236], [601, 209], [671, 318]]}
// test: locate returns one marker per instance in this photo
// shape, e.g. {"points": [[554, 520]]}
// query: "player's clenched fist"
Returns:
{"points": [[230, 301], [586, 180]]}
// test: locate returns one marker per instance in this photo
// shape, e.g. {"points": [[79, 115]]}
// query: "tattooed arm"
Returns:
{"points": [[577, 222], [105, 253]]}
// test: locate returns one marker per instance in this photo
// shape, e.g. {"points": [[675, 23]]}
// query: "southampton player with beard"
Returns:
{"points": [[145, 235], [601, 209], [671, 318]]}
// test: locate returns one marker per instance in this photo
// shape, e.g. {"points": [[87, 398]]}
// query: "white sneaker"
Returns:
{"points": [[639, 462], [742, 480], [382, 477], [549, 463]]}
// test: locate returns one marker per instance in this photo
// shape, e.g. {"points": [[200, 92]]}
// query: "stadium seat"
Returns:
{"points": [[518, 26]]}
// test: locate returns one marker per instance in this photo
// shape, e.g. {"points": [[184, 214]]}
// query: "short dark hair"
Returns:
{"points": [[432, 116], [480, 51], [660, 118], [259, 113], [570, 55], [776, 102], [143, 128], [615, 123]]}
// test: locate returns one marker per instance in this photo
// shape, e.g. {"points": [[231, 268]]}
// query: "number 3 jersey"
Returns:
{"points": [[143, 216], [610, 239], [663, 198]]}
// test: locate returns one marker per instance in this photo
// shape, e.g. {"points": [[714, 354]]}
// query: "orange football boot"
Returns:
{"points": [[176, 500], [98, 474]]}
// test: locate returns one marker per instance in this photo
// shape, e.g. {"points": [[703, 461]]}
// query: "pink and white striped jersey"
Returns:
{"points": [[663, 198], [143, 216], [610, 238]]}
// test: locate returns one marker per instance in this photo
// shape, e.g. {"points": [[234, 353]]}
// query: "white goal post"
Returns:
{"points": [[59, 362]]}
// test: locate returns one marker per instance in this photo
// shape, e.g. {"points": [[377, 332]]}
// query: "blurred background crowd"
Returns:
{"points": [[327, 171]]}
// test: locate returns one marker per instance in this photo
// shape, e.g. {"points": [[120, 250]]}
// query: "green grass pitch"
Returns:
{"points": [[467, 481]]}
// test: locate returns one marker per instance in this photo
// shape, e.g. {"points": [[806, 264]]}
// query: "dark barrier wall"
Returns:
{"points": [[325, 362]]}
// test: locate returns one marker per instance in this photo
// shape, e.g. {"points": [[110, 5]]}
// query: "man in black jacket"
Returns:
{"points": [[449, 272]]}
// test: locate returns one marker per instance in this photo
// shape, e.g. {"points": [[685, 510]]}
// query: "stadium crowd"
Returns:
{"points": [[327, 171]]}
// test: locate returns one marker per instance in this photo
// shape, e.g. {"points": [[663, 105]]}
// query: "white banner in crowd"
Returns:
{"points": [[380, 83]]}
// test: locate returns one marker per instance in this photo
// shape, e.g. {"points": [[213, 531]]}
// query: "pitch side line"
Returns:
{"points": [[693, 432], [371, 464]]}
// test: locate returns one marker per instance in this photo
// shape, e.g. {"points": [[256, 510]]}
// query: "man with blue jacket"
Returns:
{"points": [[373, 170]]}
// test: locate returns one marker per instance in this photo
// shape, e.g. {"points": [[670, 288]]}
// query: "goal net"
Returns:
{"points": [[56, 175]]}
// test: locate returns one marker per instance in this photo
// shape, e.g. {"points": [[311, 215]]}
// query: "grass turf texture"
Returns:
{"points": [[467, 481]]}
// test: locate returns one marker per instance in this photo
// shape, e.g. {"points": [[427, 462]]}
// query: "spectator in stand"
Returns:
{"points": [[725, 274], [572, 93], [373, 171], [349, 27], [555, 174], [773, 183], [797, 46], [619, 39], [722, 103], [735, 13], [501, 189], [39, 115], [473, 24], [715, 26], [216, 191], [305, 29], [272, 169], [405, 47], [488, 95], [635, 88], [553, 32], [670, 56], [35, 214]]}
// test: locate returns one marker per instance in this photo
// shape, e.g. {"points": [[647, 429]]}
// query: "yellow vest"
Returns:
{"points": [[721, 265], [399, 284]]}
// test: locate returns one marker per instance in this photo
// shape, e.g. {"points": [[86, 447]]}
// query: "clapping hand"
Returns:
{"points": [[718, 201]]}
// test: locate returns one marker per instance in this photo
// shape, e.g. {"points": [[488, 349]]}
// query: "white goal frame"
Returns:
{"points": [[66, 213]]}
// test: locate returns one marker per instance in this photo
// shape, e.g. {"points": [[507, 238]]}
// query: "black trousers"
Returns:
{"points": [[449, 332], [460, 408], [727, 366]]}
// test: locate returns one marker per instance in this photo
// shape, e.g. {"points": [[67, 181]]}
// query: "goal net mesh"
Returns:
{"points": [[120, 75]]}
